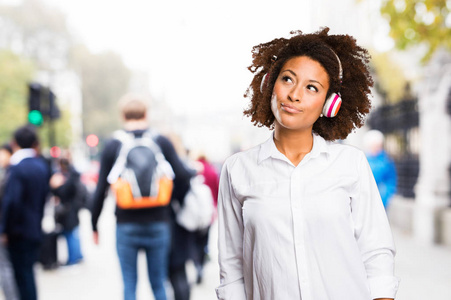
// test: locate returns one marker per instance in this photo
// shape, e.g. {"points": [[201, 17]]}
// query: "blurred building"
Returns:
{"points": [[416, 128], [417, 131]]}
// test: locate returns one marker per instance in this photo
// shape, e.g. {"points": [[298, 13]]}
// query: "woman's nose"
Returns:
{"points": [[295, 94]]}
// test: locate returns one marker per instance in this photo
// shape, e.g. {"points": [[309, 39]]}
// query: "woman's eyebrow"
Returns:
{"points": [[294, 74], [311, 80]]}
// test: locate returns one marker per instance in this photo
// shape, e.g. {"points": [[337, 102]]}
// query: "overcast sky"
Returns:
{"points": [[196, 52]]}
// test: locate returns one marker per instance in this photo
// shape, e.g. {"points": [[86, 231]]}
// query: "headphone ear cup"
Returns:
{"points": [[332, 105], [264, 82]]}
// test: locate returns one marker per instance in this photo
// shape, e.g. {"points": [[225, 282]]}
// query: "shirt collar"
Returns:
{"points": [[21, 154], [268, 149]]}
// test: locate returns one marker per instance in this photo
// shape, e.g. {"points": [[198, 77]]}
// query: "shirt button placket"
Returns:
{"points": [[296, 189]]}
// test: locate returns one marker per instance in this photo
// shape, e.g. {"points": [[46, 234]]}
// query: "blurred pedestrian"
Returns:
{"points": [[182, 239], [71, 196], [7, 281], [138, 162], [5, 156], [25, 193], [200, 252], [381, 164], [299, 215]]}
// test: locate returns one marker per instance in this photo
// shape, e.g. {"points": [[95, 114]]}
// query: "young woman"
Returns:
{"points": [[300, 217]]}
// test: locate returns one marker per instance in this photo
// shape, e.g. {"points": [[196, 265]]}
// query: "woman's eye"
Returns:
{"points": [[312, 88], [287, 79]]}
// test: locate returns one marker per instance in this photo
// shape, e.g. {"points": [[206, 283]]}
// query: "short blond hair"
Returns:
{"points": [[133, 107]]}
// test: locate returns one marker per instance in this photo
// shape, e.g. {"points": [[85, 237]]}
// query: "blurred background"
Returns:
{"points": [[64, 65]]}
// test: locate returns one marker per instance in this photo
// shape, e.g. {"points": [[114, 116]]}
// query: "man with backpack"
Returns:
{"points": [[145, 173]]}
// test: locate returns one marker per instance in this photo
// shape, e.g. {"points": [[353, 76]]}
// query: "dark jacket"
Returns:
{"points": [[72, 195], [25, 193]]}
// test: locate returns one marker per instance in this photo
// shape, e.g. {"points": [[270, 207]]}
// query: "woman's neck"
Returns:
{"points": [[295, 145]]}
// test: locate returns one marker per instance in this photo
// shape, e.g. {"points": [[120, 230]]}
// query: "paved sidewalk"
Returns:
{"points": [[99, 276], [425, 271]]}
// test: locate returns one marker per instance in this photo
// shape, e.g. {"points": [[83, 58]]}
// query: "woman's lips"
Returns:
{"points": [[290, 109]]}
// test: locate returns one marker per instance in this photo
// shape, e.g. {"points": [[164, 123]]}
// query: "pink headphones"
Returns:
{"points": [[333, 102]]}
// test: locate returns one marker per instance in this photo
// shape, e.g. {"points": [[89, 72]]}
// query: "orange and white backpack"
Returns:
{"points": [[141, 177]]}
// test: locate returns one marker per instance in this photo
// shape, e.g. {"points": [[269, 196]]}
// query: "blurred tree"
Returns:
{"points": [[15, 73], [39, 32], [36, 31], [105, 78], [389, 78], [414, 22]]}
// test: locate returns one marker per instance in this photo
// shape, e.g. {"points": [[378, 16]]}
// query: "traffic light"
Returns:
{"points": [[92, 140], [35, 117], [54, 112], [34, 96], [41, 99], [55, 152]]}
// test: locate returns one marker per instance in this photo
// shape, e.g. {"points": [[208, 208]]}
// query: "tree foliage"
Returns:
{"points": [[414, 22], [390, 81], [37, 31], [15, 73]]}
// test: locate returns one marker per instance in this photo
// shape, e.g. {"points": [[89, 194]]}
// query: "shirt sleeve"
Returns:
{"points": [[373, 234], [230, 241], [107, 160]]}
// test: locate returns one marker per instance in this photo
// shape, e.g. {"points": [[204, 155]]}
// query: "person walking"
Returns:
{"points": [[26, 191], [7, 281], [200, 245], [300, 216], [129, 162], [381, 164], [70, 193]]}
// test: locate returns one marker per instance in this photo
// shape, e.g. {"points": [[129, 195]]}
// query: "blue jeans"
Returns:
{"points": [[155, 239], [73, 246]]}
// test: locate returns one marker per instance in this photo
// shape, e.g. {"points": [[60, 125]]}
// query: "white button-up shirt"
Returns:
{"points": [[314, 231]]}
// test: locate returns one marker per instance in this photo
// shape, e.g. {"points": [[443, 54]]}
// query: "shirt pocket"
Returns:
{"points": [[327, 198], [266, 203]]}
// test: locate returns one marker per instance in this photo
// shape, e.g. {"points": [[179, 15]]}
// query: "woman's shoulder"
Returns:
{"points": [[247, 157], [341, 149]]}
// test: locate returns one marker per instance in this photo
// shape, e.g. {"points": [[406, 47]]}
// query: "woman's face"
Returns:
{"points": [[299, 93]]}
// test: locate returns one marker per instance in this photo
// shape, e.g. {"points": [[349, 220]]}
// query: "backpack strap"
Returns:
{"points": [[127, 143], [163, 165]]}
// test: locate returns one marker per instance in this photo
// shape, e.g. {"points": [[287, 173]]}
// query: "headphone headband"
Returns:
{"points": [[340, 68], [333, 103]]}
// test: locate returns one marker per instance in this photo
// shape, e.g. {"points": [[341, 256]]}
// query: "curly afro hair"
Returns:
{"points": [[269, 58]]}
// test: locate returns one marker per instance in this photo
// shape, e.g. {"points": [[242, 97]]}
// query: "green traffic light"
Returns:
{"points": [[35, 117]]}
